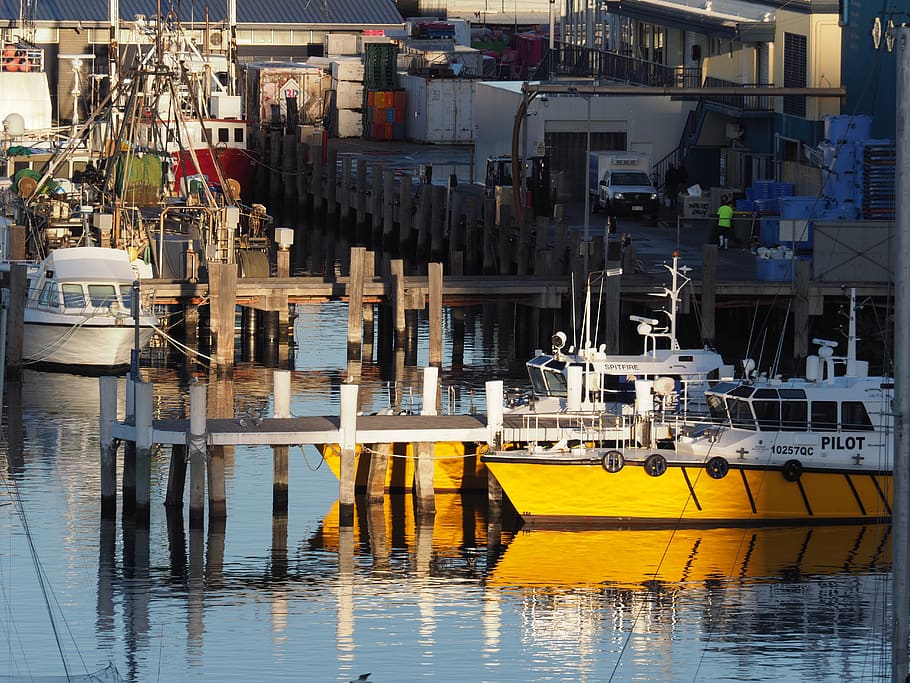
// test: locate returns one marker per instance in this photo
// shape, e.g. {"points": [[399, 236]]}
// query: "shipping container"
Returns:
{"points": [[267, 85], [440, 110]]}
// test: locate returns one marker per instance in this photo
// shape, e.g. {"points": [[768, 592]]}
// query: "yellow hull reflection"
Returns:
{"points": [[459, 522], [456, 466], [564, 492], [637, 558]]}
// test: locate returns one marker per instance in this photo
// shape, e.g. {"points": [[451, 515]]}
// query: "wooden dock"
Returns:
{"points": [[198, 441]]}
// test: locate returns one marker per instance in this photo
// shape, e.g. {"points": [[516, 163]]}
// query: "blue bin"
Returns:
{"points": [[774, 269], [769, 231]]}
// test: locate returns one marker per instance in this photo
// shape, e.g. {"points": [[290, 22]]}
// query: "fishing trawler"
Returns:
{"points": [[817, 448], [132, 191]]}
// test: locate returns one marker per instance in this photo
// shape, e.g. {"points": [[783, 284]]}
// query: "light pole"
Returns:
{"points": [[587, 171]]}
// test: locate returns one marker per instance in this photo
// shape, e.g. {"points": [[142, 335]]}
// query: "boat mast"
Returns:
{"points": [[900, 537], [113, 51], [232, 46]]}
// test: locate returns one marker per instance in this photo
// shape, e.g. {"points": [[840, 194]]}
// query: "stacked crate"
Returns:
{"points": [[384, 114], [386, 110], [347, 82]]}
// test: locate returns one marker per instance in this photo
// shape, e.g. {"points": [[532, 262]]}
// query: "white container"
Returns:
{"points": [[350, 123], [225, 106], [440, 110], [348, 94], [268, 84], [341, 44], [347, 69]]}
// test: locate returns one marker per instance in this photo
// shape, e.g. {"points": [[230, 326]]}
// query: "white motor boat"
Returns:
{"points": [[79, 311]]}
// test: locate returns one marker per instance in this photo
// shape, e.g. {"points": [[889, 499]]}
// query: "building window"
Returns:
{"points": [[795, 72]]}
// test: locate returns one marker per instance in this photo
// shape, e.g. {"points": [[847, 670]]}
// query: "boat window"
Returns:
{"points": [[238, 135], [723, 387], [740, 413], [824, 416], [768, 415], [73, 296], [765, 393], [742, 390], [716, 406], [48, 296], [102, 295], [537, 382], [792, 393], [854, 418], [793, 416], [224, 135], [556, 382]]}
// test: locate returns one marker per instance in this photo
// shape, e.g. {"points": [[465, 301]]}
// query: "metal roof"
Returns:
{"points": [[360, 13]]}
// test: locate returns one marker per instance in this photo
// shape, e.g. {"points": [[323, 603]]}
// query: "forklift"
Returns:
{"points": [[540, 191]]}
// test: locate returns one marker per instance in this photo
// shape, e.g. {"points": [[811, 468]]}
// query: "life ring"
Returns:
{"points": [[717, 467], [612, 461], [792, 470], [655, 464]]}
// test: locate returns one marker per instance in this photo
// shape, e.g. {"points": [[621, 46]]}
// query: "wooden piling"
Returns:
{"points": [[176, 478], [380, 454], [223, 292], [355, 300], [398, 304], [331, 183], [388, 207], [345, 197], [15, 320], [405, 219], [108, 393], [435, 304]]}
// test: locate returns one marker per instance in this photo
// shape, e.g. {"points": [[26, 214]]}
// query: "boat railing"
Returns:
{"points": [[16, 58]]}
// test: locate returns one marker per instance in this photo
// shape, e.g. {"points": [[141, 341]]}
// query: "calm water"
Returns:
{"points": [[465, 600]]}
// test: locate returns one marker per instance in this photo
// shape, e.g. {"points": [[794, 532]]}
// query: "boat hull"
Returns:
{"points": [[456, 466], [578, 490], [239, 164], [90, 344]]}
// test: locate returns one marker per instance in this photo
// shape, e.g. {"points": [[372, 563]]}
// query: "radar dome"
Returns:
{"points": [[14, 124]]}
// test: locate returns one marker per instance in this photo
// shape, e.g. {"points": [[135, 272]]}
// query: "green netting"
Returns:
{"points": [[139, 179]]}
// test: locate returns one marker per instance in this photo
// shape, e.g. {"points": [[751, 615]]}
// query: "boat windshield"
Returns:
{"points": [[740, 413], [102, 296], [547, 376], [716, 406]]}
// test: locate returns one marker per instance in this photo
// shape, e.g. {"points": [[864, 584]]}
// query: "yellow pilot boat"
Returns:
{"points": [[817, 448]]}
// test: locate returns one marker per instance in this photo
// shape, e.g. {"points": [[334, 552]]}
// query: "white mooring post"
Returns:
{"points": [[282, 400], [144, 403], [348, 444], [494, 395], [197, 445]]}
